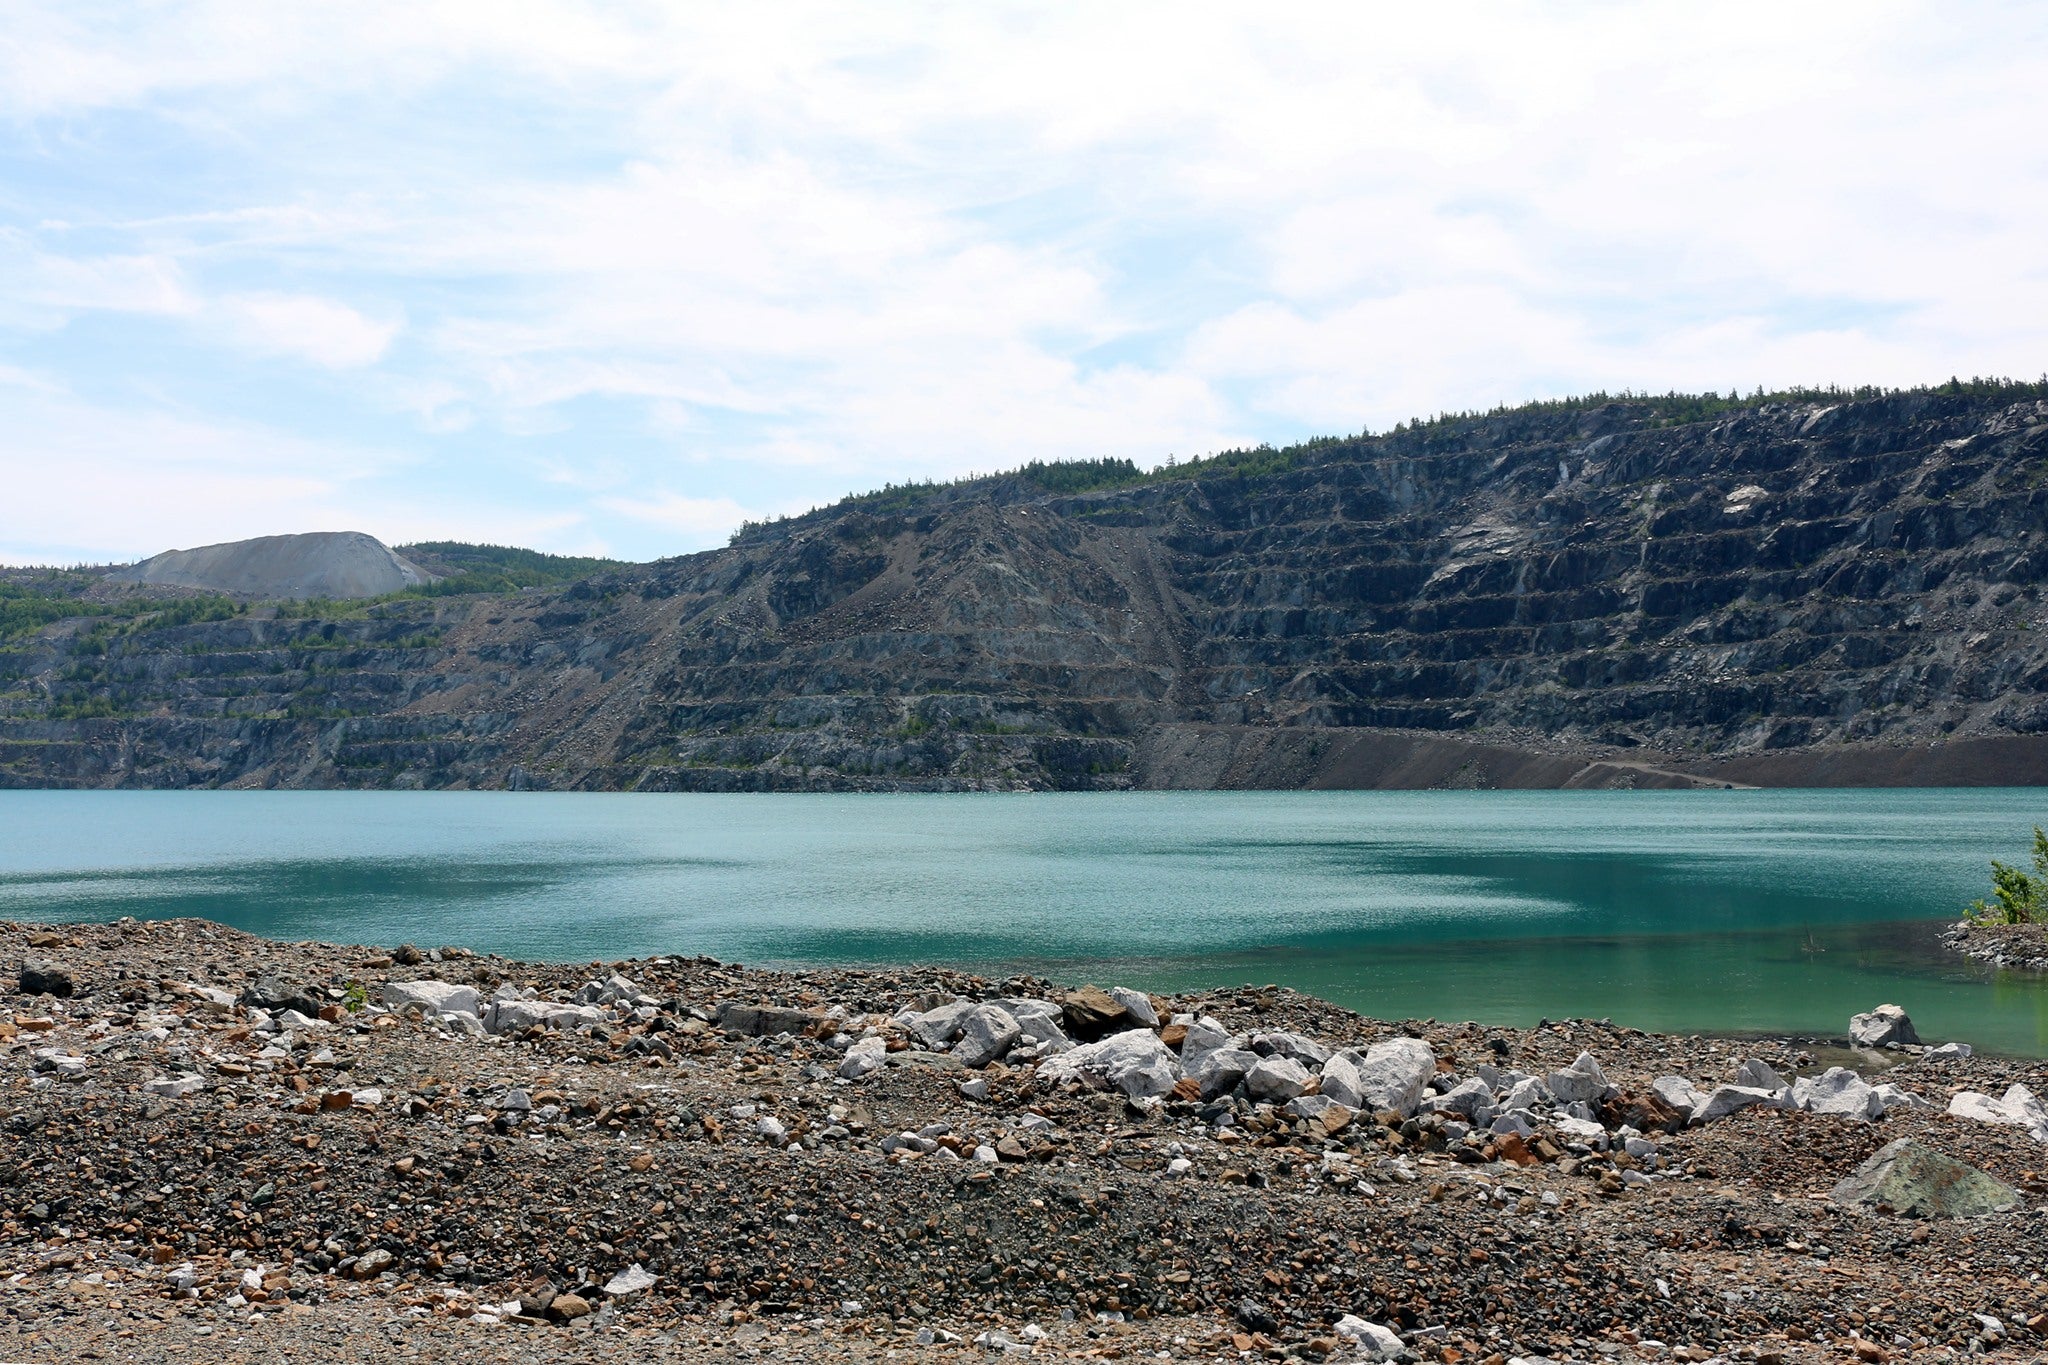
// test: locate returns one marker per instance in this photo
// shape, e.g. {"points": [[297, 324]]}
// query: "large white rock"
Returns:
{"points": [[510, 1016], [938, 1027], [1375, 1343], [1276, 1080], [1469, 1098], [1220, 1070], [1205, 1035], [1582, 1082], [1882, 1027], [986, 1033], [1307, 1051], [1039, 1020], [1757, 1075], [1837, 1091], [1680, 1093], [1137, 1004], [864, 1058], [1727, 1099], [435, 997], [1392, 1074], [1134, 1061], [2018, 1108]]}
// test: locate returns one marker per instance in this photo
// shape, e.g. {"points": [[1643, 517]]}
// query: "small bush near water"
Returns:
{"points": [[2016, 896]]}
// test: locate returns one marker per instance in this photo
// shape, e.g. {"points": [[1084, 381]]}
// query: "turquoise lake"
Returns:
{"points": [[1685, 911]]}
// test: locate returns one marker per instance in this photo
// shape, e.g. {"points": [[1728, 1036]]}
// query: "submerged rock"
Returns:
{"points": [[1914, 1180]]}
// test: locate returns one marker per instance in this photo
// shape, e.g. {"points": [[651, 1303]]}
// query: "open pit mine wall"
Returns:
{"points": [[1796, 594]]}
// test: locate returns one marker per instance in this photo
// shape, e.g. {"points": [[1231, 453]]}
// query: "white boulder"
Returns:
{"points": [[1276, 1080], [1885, 1026], [1840, 1092], [1393, 1074], [435, 997], [1134, 1061]]}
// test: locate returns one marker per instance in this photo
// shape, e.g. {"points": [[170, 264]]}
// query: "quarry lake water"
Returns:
{"points": [[1721, 912]]}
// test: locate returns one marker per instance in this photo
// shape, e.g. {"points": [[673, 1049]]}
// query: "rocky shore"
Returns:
{"points": [[2023, 947], [221, 1148]]}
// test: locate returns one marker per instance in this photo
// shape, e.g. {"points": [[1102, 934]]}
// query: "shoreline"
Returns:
{"points": [[2015, 947], [812, 1166]]}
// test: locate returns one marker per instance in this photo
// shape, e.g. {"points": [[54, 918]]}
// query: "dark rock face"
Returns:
{"points": [[44, 978], [1792, 594]]}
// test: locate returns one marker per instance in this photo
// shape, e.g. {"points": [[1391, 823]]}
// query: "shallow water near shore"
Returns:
{"points": [[1722, 912]]}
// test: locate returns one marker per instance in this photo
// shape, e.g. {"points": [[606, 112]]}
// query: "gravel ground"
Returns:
{"points": [[383, 1186]]}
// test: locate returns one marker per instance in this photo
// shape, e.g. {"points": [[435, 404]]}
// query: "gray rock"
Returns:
{"points": [[1275, 1080], [1580, 1083], [1038, 1019], [1311, 1106], [1374, 1342], [44, 978], [632, 1280], [765, 1021], [1528, 1094], [1837, 1091], [1909, 1178], [1205, 1035], [2017, 1108], [1758, 1076], [1885, 1026], [1951, 1052], [864, 1058], [434, 997], [1898, 1100], [1310, 1053], [937, 1027], [1221, 1070], [976, 1089], [1137, 1004], [1469, 1097], [274, 994], [173, 1087], [1133, 1061], [511, 1016], [986, 1033], [1680, 1093], [1729, 1099]]}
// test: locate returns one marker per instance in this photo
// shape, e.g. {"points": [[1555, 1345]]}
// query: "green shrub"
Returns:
{"points": [[2016, 896]]}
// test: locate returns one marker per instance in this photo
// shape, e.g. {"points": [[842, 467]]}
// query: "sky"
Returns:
{"points": [[610, 279]]}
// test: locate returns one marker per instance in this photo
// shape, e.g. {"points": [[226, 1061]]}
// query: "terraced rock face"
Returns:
{"points": [[1795, 593]]}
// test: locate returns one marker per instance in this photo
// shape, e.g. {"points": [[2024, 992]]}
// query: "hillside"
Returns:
{"points": [[1635, 592]]}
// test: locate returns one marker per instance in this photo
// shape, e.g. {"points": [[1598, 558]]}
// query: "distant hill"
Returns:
{"points": [[317, 564], [1817, 588]]}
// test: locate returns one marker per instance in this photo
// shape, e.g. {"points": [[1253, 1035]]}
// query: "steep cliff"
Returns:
{"points": [[1590, 595]]}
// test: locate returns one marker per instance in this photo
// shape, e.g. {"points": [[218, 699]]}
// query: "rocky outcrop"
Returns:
{"points": [[332, 564], [1794, 594]]}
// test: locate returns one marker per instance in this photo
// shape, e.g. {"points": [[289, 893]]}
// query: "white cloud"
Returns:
{"points": [[773, 252], [697, 518], [320, 330]]}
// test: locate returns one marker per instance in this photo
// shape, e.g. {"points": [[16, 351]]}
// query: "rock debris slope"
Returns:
{"points": [[1795, 593], [337, 564], [214, 1136]]}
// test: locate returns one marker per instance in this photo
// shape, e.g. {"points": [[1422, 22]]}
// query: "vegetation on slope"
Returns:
{"points": [[1656, 410], [465, 568]]}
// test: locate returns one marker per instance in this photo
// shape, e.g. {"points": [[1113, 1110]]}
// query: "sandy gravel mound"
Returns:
{"points": [[315, 564]]}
